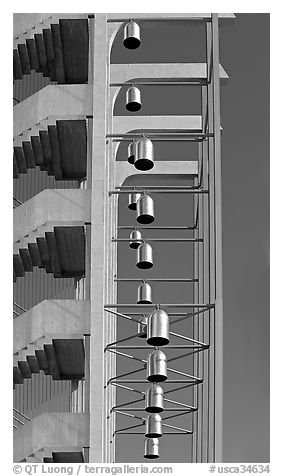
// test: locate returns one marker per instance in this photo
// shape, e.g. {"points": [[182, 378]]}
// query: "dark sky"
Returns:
{"points": [[244, 54]]}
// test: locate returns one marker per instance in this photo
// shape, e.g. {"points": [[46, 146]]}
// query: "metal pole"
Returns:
{"points": [[165, 240], [157, 190], [218, 246]]}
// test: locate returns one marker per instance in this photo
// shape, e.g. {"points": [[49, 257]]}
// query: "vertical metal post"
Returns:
{"points": [[218, 245]]}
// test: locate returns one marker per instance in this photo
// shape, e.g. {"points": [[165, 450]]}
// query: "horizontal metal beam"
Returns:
{"points": [[127, 227], [189, 82], [188, 240], [192, 382], [156, 190], [147, 347], [150, 306], [164, 410], [161, 280], [121, 17]]}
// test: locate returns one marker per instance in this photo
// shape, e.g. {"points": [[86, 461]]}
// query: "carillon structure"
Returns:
{"points": [[95, 366]]}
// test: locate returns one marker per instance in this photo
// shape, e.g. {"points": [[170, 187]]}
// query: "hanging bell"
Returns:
{"points": [[132, 151], [131, 35], [153, 428], [158, 328], [144, 294], [144, 256], [133, 200], [145, 209], [144, 155], [157, 366], [133, 99], [151, 448], [142, 327], [135, 235], [154, 399]]}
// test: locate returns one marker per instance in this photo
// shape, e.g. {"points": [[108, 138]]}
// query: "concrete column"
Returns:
{"points": [[99, 249]]}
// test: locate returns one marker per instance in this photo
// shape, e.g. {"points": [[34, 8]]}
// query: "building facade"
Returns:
{"points": [[117, 218]]}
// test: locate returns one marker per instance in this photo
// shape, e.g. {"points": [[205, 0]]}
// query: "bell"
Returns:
{"points": [[131, 35], [144, 294], [157, 366], [153, 426], [158, 328], [133, 199], [133, 99], [144, 256], [132, 151], [151, 448], [144, 155], [142, 327], [135, 235], [145, 209], [154, 399]]}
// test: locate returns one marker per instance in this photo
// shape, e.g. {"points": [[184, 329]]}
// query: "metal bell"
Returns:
{"points": [[144, 155], [133, 99], [144, 294], [157, 366], [135, 235], [144, 256], [133, 200], [158, 328], [131, 35], [145, 209], [154, 399], [142, 327], [153, 426], [151, 448], [132, 151]]}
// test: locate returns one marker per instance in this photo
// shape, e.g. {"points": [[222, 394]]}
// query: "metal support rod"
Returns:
{"points": [[200, 349], [161, 280], [124, 375], [182, 134], [124, 387], [146, 347], [127, 356], [129, 428], [177, 428], [192, 82], [119, 314], [187, 338], [159, 138], [157, 190], [159, 187], [106, 306], [130, 415], [167, 240], [139, 433], [164, 410], [190, 315], [185, 405], [127, 403], [179, 388], [194, 382], [162, 19], [121, 340], [127, 227]]}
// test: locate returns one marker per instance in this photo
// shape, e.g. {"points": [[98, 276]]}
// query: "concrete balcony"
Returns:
{"points": [[50, 337], [52, 45], [53, 437]]}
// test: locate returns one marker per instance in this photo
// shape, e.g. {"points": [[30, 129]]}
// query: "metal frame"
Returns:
{"points": [[206, 430]]}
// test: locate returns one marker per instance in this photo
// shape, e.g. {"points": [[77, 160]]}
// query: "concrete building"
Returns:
{"points": [[72, 183]]}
